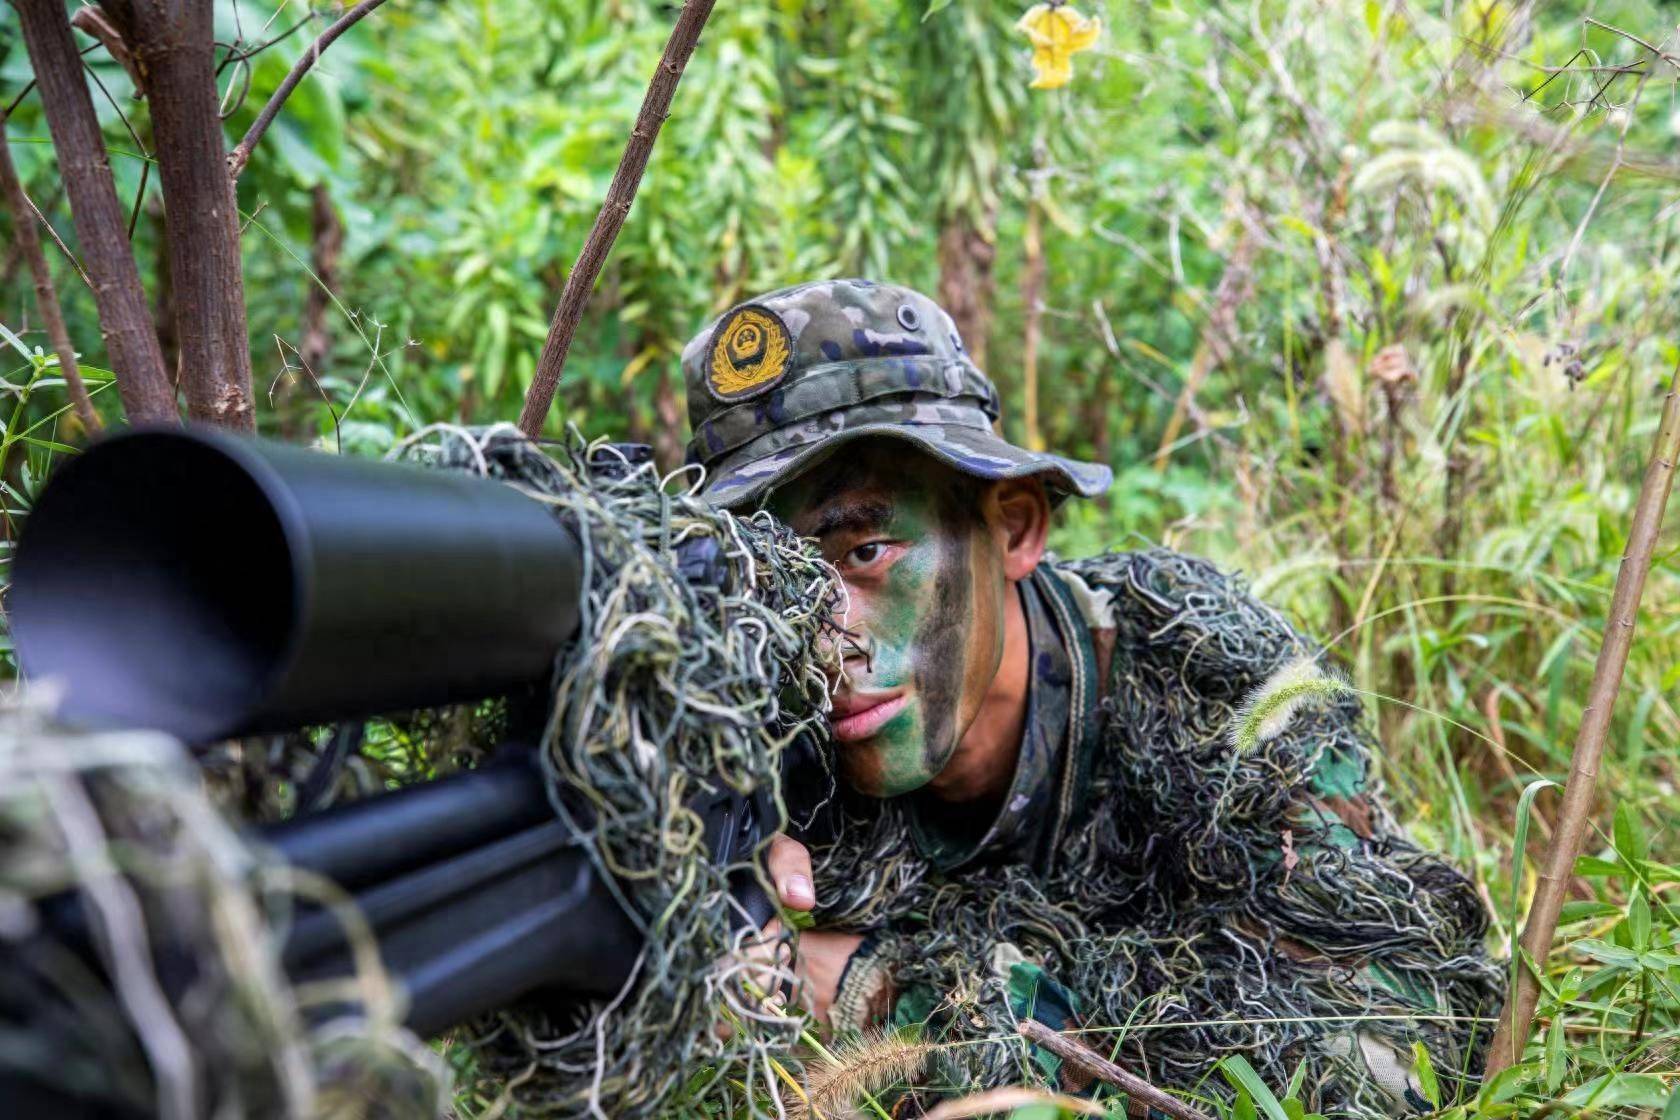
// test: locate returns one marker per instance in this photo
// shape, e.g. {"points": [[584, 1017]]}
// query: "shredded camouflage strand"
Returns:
{"points": [[195, 1018], [1171, 912], [671, 685]]}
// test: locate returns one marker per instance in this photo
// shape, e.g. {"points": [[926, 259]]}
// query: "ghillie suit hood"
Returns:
{"points": [[1204, 896]]}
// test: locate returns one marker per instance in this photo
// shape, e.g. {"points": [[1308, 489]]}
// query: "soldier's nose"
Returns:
{"points": [[856, 651]]}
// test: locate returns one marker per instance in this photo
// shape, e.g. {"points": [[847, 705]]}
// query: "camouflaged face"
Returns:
{"points": [[782, 380]]}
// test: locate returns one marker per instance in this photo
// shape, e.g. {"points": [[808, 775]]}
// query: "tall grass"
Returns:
{"points": [[1427, 450]]}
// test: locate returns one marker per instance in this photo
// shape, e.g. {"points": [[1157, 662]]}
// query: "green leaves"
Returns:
{"points": [[1254, 1099], [1423, 1067]]}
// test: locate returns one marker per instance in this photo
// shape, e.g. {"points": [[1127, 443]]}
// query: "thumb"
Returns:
{"points": [[789, 864]]}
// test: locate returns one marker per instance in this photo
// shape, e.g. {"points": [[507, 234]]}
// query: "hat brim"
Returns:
{"points": [[974, 452]]}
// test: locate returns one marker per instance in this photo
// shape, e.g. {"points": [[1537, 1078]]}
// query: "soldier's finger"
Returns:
{"points": [[789, 865]]}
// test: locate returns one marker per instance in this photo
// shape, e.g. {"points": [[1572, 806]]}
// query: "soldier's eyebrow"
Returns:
{"points": [[861, 515]]}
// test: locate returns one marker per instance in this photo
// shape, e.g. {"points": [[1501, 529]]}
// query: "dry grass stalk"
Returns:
{"points": [[994, 1101]]}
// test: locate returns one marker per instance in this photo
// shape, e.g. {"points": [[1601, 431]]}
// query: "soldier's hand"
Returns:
{"points": [[822, 954]]}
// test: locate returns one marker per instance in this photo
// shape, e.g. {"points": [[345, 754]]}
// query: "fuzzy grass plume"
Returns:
{"points": [[1272, 707], [843, 1076]]}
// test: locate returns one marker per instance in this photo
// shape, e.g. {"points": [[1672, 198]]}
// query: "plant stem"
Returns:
{"points": [[685, 34], [241, 153], [1571, 826], [1078, 1054], [174, 46], [46, 296]]}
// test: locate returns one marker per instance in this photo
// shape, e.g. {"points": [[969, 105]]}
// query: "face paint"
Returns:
{"points": [[926, 589]]}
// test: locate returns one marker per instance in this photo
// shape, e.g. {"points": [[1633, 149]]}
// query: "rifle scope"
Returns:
{"points": [[208, 585]]}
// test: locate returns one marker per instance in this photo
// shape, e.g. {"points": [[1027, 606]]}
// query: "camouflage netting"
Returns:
{"points": [[673, 685], [1173, 912], [196, 1018]]}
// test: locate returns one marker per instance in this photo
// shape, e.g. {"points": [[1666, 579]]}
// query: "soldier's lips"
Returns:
{"points": [[858, 717]]}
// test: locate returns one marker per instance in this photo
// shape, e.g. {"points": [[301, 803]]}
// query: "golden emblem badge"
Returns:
{"points": [[750, 352]]}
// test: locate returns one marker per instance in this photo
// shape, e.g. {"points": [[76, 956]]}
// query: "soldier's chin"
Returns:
{"points": [[862, 768]]}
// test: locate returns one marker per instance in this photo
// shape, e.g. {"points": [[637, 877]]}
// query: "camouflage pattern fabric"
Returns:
{"points": [[776, 383], [1151, 882]]}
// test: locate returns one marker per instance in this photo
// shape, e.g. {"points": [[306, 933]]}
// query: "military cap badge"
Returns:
{"points": [[750, 352]]}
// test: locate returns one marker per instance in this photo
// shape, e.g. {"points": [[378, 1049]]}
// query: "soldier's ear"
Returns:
{"points": [[1018, 513]]}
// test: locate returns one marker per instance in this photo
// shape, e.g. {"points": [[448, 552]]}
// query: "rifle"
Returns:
{"points": [[362, 588]]}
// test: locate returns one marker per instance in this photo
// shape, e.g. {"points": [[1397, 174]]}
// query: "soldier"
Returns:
{"points": [[1116, 793]]}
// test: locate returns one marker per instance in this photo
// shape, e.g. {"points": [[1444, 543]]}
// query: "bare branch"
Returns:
{"points": [[96, 23], [1089, 1062], [46, 296], [124, 318], [1572, 819], [241, 153], [656, 104]]}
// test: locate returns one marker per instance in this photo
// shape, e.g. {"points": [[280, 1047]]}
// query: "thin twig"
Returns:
{"points": [[1084, 1058], [242, 151], [622, 191], [46, 296], [145, 164], [236, 55], [59, 241], [1572, 819]]}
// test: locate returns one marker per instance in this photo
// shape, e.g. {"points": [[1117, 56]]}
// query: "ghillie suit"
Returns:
{"points": [[1195, 891], [673, 683]]}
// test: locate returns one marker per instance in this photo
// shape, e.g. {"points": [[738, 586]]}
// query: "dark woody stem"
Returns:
{"points": [[1085, 1059], [621, 192]]}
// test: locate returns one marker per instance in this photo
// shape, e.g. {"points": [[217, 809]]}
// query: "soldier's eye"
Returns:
{"points": [[866, 554]]}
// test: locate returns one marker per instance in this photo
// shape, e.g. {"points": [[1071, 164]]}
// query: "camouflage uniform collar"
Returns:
{"points": [[1056, 740]]}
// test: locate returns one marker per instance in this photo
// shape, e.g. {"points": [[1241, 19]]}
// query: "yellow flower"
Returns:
{"points": [[1058, 32]]}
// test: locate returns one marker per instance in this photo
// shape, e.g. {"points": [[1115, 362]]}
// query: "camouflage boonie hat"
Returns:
{"points": [[781, 380]]}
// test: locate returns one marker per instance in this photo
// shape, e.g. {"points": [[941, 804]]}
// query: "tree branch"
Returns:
{"points": [[656, 104], [1570, 830], [94, 23], [241, 153], [1079, 1055], [46, 296], [174, 47], [124, 319]]}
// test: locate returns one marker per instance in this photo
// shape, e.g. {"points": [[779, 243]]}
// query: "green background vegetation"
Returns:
{"points": [[1421, 259]]}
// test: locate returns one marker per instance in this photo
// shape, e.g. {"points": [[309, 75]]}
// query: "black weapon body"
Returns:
{"points": [[208, 585]]}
